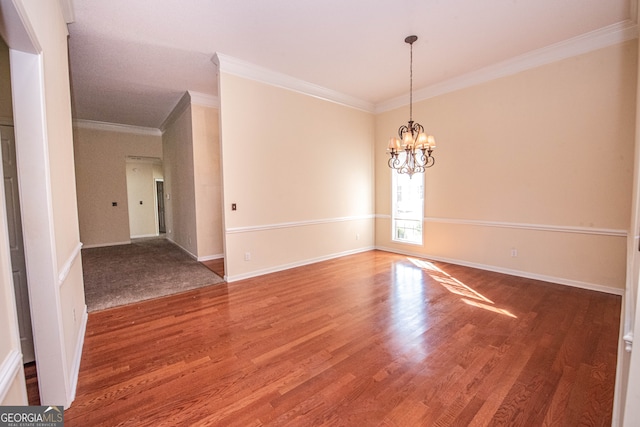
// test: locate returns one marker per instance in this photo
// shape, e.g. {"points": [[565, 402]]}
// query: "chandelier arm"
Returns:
{"points": [[417, 128], [394, 161], [402, 130], [426, 160]]}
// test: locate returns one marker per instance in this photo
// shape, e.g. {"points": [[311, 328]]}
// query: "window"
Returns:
{"points": [[408, 204]]}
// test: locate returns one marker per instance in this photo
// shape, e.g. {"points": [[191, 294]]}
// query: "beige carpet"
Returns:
{"points": [[146, 269]]}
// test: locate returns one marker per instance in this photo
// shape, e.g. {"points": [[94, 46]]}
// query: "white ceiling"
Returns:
{"points": [[132, 60]]}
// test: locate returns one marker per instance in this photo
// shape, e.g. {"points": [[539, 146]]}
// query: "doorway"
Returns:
{"points": [[162, 228], [146, 207]]}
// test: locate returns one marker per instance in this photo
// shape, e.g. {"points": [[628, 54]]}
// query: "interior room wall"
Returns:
{"points": [[180, 209], [537, 164], [100, 154], [207, 181], [302, 179]]}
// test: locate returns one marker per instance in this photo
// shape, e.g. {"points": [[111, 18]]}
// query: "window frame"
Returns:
{"points": [[413, 216]]}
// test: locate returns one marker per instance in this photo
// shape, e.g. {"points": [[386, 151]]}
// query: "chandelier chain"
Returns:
{"points": [[411, 83]]}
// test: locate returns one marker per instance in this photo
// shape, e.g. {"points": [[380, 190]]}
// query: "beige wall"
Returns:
{"points": [[207, 181], [192, 179], [302, 177], [101, 171], [177, 142], [540, 161]]}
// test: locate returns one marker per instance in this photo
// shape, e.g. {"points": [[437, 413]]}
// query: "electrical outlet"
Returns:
{"points": [[357, 236], [247, 256], [514, 252]]}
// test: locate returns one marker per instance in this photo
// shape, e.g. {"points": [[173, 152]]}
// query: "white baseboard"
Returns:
{"points": [[210, 257], [77, 357], [145, 236], [282, 267], [104, 245], [518, 273]]}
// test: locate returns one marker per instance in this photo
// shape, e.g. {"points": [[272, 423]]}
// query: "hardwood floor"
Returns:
{"points": [[215, 265], [31, 378], [373, 339]]}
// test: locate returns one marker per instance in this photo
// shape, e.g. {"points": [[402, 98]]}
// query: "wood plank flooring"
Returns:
{"points": [[31, 379], [373, 339], [215, 265]]}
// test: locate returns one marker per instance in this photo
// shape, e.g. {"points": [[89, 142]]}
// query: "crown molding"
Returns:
{"points": [[115, 127], [204, 100], [603, 37], [180, 106], [237, 67], [67, 11]]}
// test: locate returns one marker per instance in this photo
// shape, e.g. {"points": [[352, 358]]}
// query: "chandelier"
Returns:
{"points": [[414, 142]]}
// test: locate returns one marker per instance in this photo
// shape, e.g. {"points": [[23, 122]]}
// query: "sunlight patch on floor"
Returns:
{"points": [[469, 296]]}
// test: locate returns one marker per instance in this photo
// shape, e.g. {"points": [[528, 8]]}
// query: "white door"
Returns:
{"points": [[14, 223]]}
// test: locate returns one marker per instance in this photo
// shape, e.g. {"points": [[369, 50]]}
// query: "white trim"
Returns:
{"points": [[67, 11], [77, 357], [600, 38], [535, 227], [210, 257], [518, 273], [8, 370], [251, 229], [524, 226], [144, 236], [115, 127], [64, 271], [145, 160], [288, 266], [33, 160], [104, 245], [628, 341], [237, 67], [204, 100], [189, 98]]}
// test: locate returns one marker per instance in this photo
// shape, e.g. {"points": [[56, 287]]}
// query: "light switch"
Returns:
{"points": [[233, 207]]}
